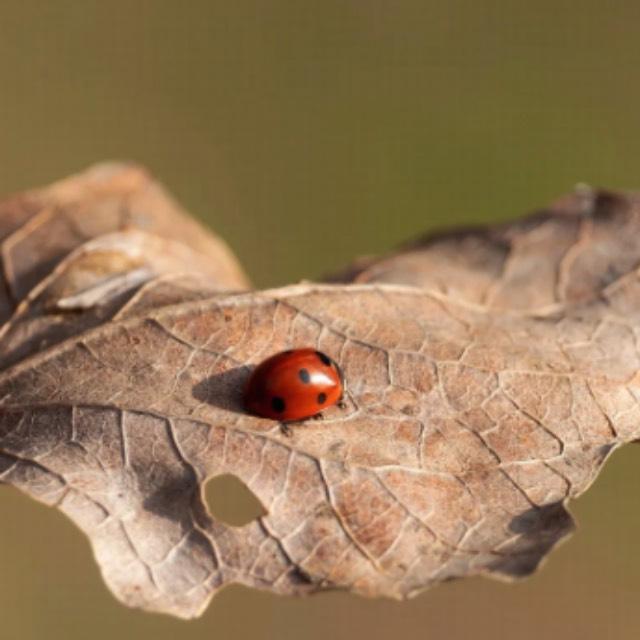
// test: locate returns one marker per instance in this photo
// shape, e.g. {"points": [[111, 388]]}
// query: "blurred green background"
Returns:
{"points": [[307, 133]]}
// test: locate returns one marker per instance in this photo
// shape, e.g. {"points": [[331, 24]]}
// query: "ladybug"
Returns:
{"points": [[293, 385]]}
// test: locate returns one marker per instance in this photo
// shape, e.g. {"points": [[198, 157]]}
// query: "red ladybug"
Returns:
{"points": [[293, 385]]}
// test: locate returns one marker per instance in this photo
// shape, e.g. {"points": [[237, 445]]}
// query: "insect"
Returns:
{"points": [[293, 385]]}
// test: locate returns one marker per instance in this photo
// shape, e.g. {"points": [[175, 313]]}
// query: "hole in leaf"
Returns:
{"points": [[231, 501]]}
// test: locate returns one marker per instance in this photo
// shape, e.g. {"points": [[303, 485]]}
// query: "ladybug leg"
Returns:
{"points": [[285, 429], [342, 403], [317, 416]]}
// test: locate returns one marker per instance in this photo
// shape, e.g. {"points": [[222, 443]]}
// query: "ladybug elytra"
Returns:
{"points": [[293, 385]]}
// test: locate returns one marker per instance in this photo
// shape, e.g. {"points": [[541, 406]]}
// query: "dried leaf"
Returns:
{"points": [[489, 373]]}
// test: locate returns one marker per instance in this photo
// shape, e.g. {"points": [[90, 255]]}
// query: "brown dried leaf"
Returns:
{"points": [[40, 228], [490, 373]]}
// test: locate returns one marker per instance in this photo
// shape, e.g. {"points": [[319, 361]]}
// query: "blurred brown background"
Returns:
{"points": [[307, 133]]}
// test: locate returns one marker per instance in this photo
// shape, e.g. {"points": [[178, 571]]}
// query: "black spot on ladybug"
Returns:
{"points": [[278, 404], [325, 359], [303, 374], [322, 398]]}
